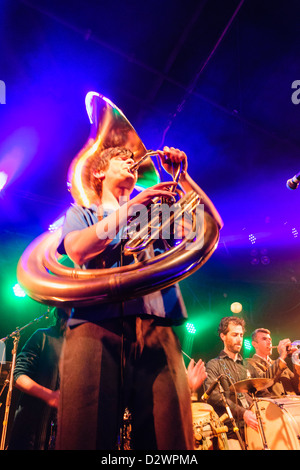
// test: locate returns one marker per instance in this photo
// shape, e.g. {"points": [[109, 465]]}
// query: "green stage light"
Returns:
{"points": [[18, 291], [247, 344], [191, 328]]}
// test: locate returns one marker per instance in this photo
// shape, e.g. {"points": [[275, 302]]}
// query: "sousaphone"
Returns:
{"points": [[47, 280]]}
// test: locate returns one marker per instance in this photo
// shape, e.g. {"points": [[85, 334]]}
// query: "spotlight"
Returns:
{"points": [[252, 238], [265, 260], [18, 291], [247, 344], [236, 307], [191, 328], [3, 179], [56, 225]]}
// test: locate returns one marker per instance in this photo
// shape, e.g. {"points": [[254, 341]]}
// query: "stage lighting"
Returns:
{"points": [[191, 328], [57, 224], [252, 238], [236, 307], [247, 344], [18, 291], [3, 179]]}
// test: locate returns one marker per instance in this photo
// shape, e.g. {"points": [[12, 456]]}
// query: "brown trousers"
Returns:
{"points": [[135, 363]]}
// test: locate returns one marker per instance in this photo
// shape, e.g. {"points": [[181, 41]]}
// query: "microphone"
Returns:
{"points": [[210, 389], [293, 183]]}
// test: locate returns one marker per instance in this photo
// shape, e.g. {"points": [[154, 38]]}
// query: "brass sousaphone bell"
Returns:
{"points": [[40, 271]]}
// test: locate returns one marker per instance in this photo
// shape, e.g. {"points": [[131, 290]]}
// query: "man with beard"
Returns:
{"points": [[229, 367]]}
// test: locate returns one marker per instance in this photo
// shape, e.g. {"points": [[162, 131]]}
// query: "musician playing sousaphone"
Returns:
{"points": [[124, 353]]}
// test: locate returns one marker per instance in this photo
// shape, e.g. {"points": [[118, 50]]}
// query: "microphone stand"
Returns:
{"points": [[228, 411], [15, 335], [259, 420]]}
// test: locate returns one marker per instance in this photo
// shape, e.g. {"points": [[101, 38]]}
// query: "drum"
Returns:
{"points": [[281, 424], [209, 432]]}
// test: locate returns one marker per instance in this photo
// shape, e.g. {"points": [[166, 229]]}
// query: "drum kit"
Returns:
{"points": [[278, 421], [209, 430], [278, 418]]}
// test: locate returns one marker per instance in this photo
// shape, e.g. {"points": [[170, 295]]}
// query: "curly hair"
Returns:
{"points": [[100, 161], [225, 321]]}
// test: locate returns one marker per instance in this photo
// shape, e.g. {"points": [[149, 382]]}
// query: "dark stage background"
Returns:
{"points": [[213, 78]]}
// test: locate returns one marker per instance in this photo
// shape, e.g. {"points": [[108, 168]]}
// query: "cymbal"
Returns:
{"points": [[251, 385]]}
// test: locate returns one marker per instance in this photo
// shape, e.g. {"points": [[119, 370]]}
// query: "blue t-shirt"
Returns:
{"points": [[166, 303]]}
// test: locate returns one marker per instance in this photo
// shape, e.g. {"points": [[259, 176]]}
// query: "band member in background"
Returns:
{"points": [[196, 375], [36, 375], [123, 354], [285, 381], [230, 368]]}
